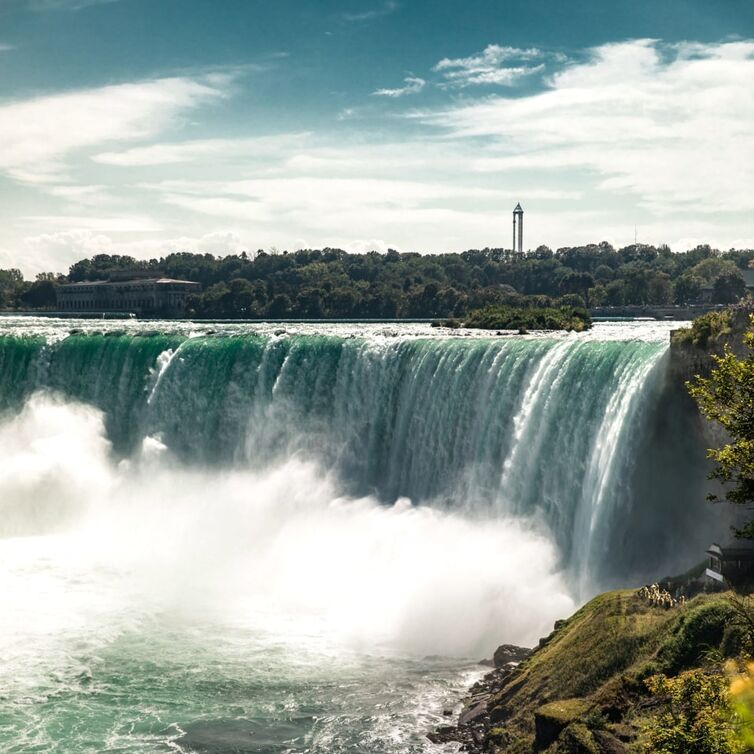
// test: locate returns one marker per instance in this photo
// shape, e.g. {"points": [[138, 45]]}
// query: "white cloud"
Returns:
{"points": [[56, 251], [637, 133], [491, 55], [388, 7], [6, 47], [413, 85], [490, 66], [37, 135], [81, 194], [330, 210], [192, 151], [671, 126], [86, 223]]}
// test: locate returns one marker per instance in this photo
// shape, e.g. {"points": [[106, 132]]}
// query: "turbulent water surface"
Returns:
{"points": [[268, 538]]}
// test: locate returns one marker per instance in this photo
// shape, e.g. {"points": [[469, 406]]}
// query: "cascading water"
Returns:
{"points": [[303, 496]]}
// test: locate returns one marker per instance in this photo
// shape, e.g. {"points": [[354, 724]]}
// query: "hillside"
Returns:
{"points": [[584, 688]]}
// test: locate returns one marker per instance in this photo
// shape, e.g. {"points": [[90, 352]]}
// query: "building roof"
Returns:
{"points": [[747, 275], [741, 549], [518, 208], [137, 281]]}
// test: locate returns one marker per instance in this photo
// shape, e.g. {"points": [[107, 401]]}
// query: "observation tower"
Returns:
{"points": [[518, 223]]}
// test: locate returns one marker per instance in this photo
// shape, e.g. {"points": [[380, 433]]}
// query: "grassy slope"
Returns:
{"points": [[601, 656]]}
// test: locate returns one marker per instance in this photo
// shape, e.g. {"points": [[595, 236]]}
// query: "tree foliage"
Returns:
{"points": [[511, 318], [727, 397], [696, 716], [332, 283]]}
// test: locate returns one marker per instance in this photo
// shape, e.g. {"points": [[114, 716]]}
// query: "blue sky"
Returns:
{"points": [[146, 126]]}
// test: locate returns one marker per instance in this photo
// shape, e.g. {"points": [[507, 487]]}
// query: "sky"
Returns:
{"points": [[144, 127]]}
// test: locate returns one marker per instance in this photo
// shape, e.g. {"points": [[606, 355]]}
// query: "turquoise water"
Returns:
{"points": [[239, 538]]}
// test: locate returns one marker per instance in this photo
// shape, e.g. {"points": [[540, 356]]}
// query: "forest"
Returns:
{"points": [[333, 283]]}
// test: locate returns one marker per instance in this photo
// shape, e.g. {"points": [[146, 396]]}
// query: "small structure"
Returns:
{"points": [[731, 565], [150, 296], [707, 291], [518, 227]]}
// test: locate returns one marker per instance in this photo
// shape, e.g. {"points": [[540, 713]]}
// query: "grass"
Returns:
{"points": [[595, 663]]}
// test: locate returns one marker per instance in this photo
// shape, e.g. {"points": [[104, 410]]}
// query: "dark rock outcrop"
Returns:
{"points": [[507, 653], [473, 729]]}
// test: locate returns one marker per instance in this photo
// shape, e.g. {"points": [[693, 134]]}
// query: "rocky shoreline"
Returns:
{"points": [[474, 722]]}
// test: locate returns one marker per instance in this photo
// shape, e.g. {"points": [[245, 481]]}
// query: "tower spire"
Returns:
{"points": [[518, 225]]}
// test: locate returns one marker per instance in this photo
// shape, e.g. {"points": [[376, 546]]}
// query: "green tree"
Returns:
{"points": [[40, 295], [711, 268], [280, 306], [729, 288], [660, 289], [727, 397], [615, 293], [688, 288]]}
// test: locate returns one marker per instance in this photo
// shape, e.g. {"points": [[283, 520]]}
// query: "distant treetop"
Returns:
{"points": [[333, 283]]}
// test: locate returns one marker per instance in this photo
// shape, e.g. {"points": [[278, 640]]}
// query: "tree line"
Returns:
{"points": [[333, 283]]}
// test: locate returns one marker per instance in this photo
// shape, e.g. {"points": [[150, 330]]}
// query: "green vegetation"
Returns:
{"points": [[520, 318], [727, 397], [332, 283], [707, 329], [696, 716], [621, 675]]}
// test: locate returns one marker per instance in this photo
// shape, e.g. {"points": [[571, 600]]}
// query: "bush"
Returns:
{"points": [[510, 318], [695, 718], [706, 329], [698, 632]]}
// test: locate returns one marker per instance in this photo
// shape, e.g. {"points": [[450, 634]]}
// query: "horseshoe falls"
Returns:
{"points": [[269, 538]]}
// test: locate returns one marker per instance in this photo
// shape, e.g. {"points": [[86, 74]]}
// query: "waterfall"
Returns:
{"points": [[547, 430]]}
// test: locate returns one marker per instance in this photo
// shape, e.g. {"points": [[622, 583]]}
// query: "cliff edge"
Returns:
{"points": [[583, 689]]}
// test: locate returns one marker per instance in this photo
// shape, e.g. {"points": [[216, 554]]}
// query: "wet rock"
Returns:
{"points": [[545, 640], [479, 734], [473, 714], [507, 653], [443, 734]]}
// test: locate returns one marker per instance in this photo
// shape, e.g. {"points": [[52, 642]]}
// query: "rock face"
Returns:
{"points": [[690, 357], [507, 653]]}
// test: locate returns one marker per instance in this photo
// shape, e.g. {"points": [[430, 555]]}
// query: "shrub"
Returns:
{"points": [[530, 318], [695, 718], [700, 630], [706, 329]]}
